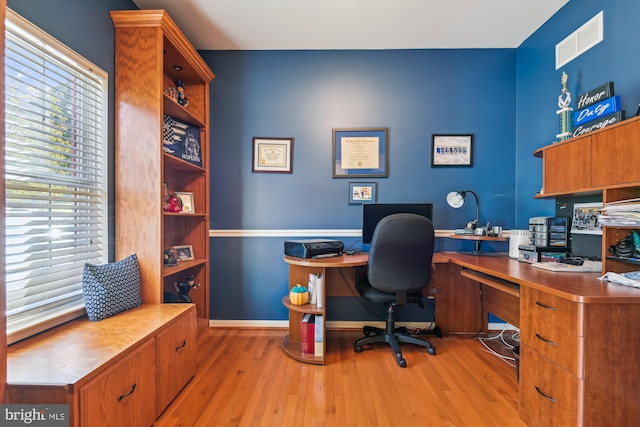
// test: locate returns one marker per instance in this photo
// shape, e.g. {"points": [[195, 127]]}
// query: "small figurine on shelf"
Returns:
{"points": [[170, 258], [172, 93], [182, 99], [173, 204], [183, 288]]}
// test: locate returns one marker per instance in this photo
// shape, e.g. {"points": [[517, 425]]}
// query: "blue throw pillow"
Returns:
{"points": [[111, 288]]}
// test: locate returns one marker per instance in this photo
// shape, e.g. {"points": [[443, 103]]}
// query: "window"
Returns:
{"points": [[55, 177]]}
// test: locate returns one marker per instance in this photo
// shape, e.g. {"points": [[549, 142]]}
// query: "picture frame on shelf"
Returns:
{"points": [[184, 252], [362, 192], [451, 150], [585, 218], [187, 201], [360, 152], [274, 155]]}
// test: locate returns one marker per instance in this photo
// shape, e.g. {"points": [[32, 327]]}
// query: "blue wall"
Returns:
{"points": [[506, 98], [304, 94], [616, 59]]}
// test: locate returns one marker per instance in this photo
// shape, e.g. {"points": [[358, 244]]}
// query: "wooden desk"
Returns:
{"points": [[578, 366], [578, 360]]}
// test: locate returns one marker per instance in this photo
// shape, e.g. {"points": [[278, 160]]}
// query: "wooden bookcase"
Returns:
{"points": [[603, 161], [151, 54]]}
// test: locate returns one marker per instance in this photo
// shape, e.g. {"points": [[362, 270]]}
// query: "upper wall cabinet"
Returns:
{"points": [[162, 146], [616, 155], [593, 162]]}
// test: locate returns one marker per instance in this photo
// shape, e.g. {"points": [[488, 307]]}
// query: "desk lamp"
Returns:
{"points": [[455, 199]]}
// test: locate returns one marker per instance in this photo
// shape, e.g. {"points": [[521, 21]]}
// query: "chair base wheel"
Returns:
{"points": [[401, 362], [432, 351], [358, 348]]}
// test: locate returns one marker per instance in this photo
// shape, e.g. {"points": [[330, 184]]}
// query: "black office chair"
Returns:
{"points": [[399, 268]]}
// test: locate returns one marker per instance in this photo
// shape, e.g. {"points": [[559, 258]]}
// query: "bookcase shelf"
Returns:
{"points": [[304, 308], [151, 55]]}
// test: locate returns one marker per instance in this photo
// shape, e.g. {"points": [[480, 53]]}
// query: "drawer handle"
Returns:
{"points": [[122, 396], [545, 340], [181, 346], [545, 395], [548, 307]]}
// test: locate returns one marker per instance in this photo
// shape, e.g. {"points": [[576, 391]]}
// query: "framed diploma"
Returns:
{"points": [[272, 155], [360, 152]]}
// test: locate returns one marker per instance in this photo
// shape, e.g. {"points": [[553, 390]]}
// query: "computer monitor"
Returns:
{"points": [[372, 213]]}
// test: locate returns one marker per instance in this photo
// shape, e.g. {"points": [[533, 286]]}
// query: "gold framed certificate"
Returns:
{"points": [[272, 155]]}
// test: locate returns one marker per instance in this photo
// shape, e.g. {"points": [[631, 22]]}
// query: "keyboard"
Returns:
{"points": [[587, 266]]}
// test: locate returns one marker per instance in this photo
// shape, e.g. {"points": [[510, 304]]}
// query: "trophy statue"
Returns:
{"points": [[564, 112]]}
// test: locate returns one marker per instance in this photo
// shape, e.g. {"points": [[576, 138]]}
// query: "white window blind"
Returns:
{"points": [[55, 177]]}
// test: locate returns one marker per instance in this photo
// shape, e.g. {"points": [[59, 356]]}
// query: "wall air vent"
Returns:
{"points": [[580, 41]]}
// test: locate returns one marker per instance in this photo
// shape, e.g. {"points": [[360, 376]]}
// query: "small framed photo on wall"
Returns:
{"points": [[362, 192], [451, 150]]}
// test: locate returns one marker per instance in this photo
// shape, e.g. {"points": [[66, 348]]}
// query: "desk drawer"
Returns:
{"points": [[552, 326], [548, 393]]}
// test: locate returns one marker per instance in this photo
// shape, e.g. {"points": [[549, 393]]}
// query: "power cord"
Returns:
{"points": [[515, 337]]}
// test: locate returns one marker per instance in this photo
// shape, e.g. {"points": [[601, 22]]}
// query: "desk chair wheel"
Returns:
{"points": [[401, 362], [431, 351]]}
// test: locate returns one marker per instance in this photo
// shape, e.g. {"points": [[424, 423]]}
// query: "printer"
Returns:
{"points": [[313, 248]]}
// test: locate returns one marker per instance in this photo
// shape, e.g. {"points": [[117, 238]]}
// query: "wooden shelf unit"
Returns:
{"points": [[556, 387], [151, 54], [603, 161], [299, 270]]}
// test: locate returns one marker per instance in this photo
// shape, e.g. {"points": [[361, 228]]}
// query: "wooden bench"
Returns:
{"points": [[123, 370]]}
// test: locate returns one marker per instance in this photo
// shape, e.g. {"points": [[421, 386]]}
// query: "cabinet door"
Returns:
{"points": [[176, 351], [567, 167], [616, 155], [124, 395]]}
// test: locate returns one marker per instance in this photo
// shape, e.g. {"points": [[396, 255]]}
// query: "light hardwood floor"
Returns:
{"points": [[244, 379]]}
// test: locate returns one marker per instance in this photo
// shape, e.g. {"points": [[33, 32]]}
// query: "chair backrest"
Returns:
{"points": [[401, 253]]}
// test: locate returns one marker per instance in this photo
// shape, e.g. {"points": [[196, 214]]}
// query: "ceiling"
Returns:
{"points": [[356, 24]]}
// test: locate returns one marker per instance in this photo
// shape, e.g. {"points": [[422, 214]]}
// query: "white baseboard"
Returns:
{"points": [[335, 325], [284, 324]]}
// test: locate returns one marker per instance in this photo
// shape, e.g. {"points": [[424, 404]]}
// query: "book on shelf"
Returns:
{"points": [[319, 336], [319, 290], [307, 333], [311, 287]]}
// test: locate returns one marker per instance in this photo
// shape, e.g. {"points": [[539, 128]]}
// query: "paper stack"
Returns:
{"points": [[625, 213]]}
